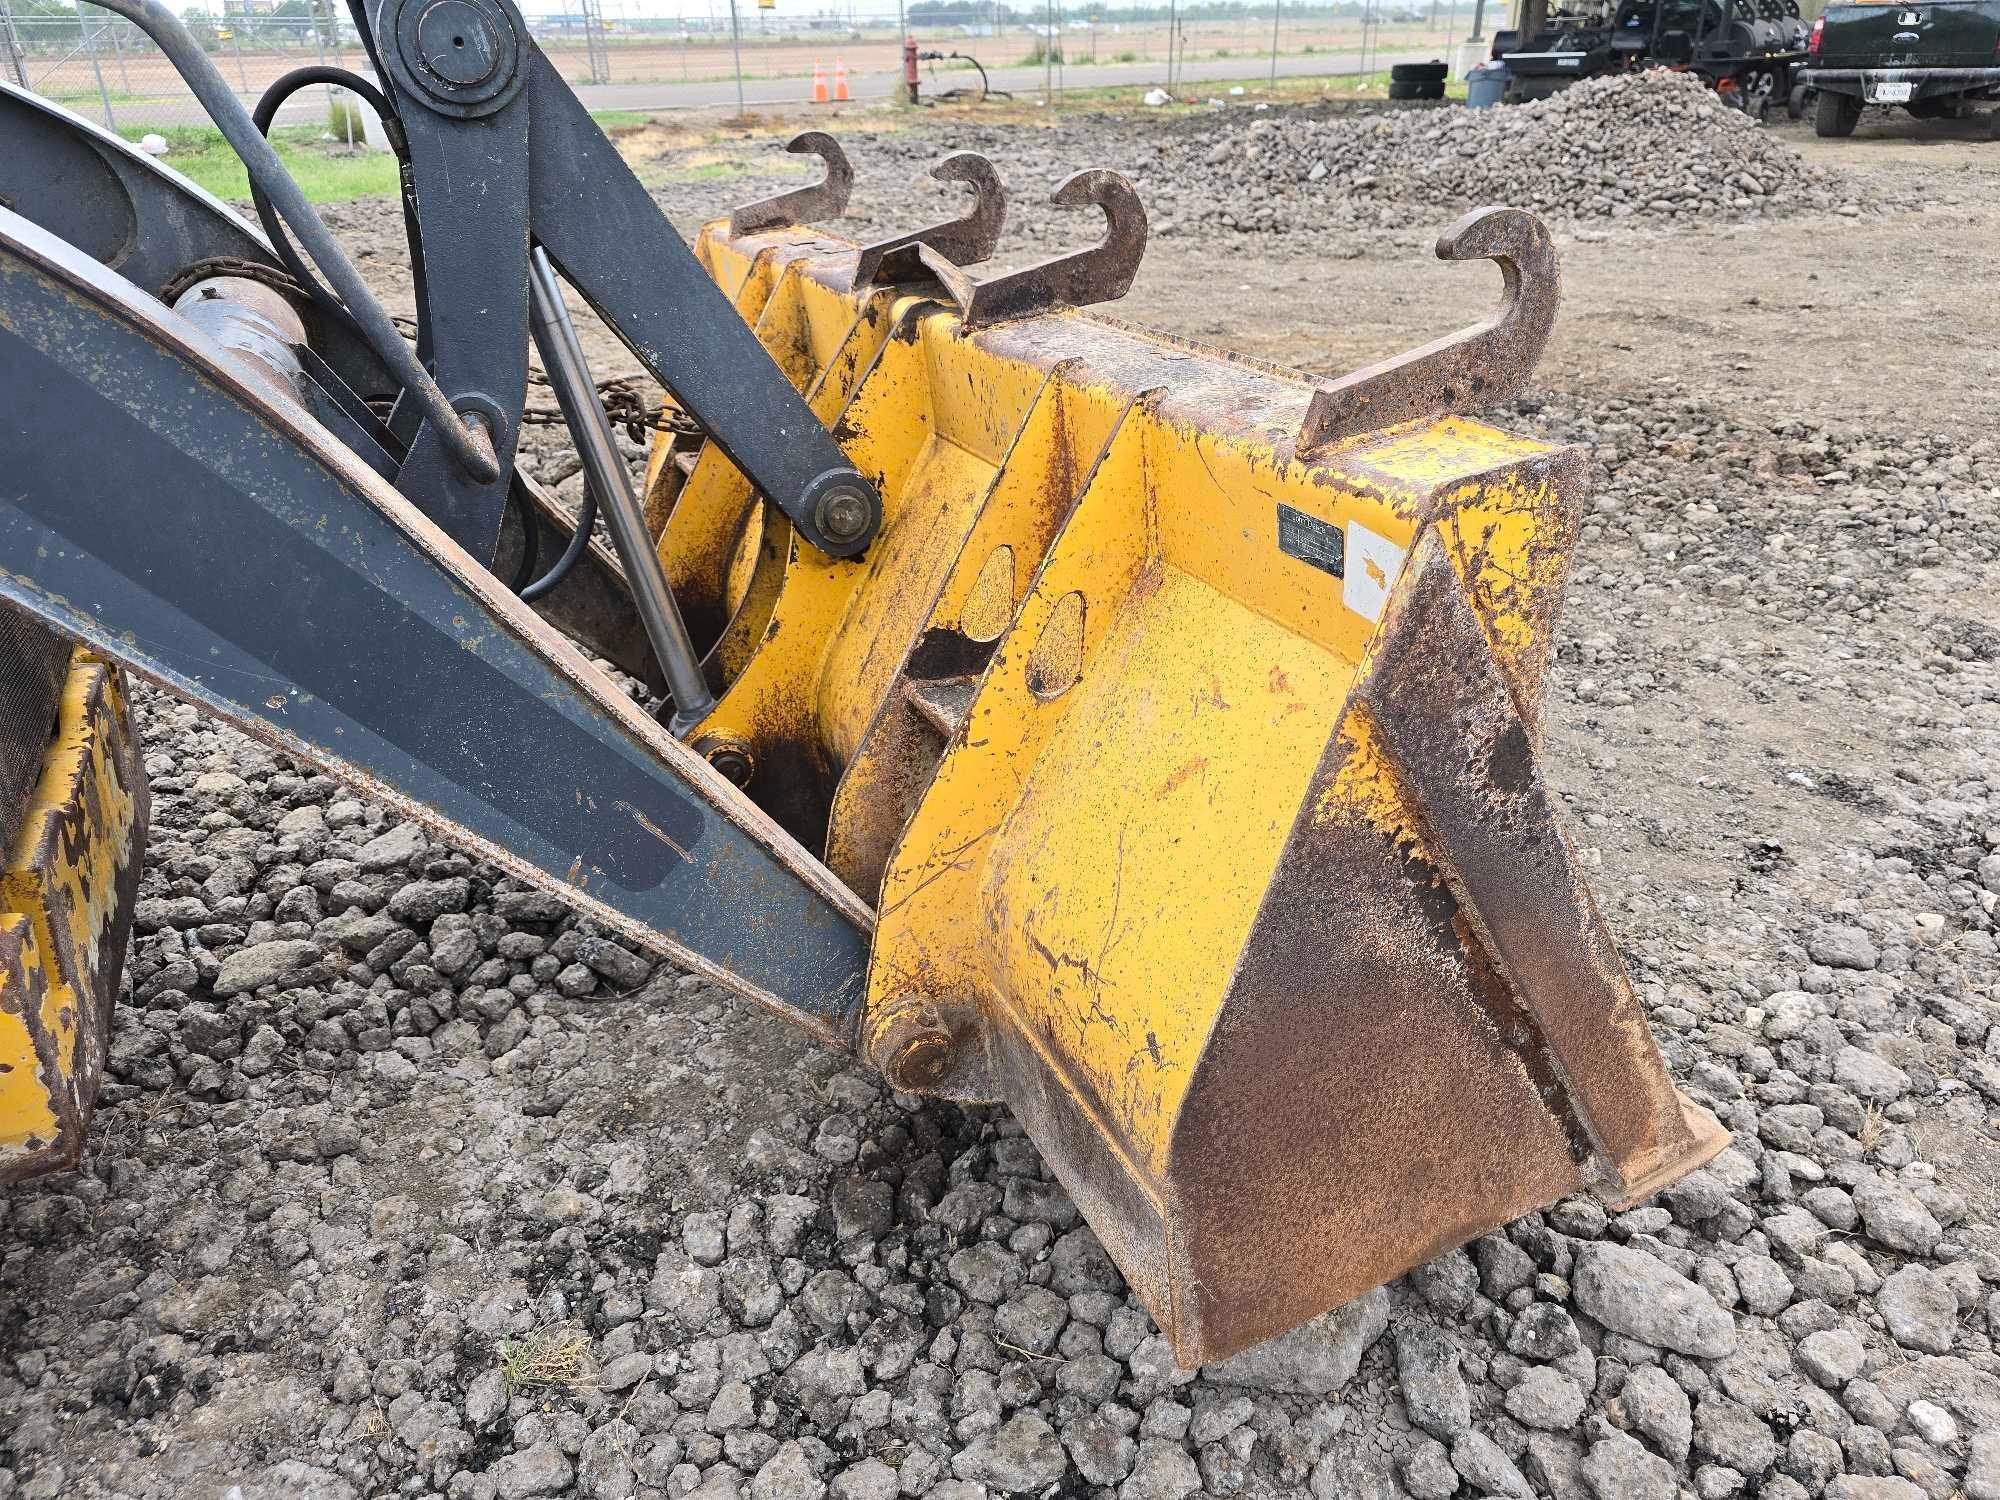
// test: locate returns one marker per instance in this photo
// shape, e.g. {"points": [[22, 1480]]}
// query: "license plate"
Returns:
{"points": [[1890, 93], [1569, 62]]}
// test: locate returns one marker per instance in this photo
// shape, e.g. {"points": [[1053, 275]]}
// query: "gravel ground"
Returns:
{"points": [[406, 1183]]}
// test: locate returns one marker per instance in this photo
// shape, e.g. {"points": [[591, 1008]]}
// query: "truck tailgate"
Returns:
{"points": [[1928, 34]]}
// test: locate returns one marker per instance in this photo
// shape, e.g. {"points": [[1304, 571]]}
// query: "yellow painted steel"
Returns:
{"points": [[1090, 701], [66, 891], [28, 1090], [712, 539]]}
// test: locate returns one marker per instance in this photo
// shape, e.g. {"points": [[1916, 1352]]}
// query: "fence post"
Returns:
{"points": [[90, 44], [736, 51], [118, 51], [13, 44], [236, 41]]}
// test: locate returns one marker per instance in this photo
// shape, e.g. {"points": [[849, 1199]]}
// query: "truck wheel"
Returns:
{"points": [[1798, 101], [1837, 114]]}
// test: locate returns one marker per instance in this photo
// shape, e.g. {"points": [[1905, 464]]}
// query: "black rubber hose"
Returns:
{"points": [[531, 533], [586, 520], [263, 116]]}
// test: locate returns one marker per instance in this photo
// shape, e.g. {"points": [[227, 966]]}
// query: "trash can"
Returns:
{"points": [[1485, 85]]}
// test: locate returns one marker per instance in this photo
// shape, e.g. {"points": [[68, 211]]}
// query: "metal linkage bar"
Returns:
{"points": [[142, 464], [605, 472]]}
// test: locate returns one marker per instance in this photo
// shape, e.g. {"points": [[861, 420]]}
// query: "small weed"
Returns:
{"points": [[344, 120], [1873, 1128], [548, 1357]]}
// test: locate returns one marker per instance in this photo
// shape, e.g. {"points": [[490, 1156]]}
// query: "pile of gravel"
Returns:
{"points": [[406, 1182], [1653, 148], [1654, 144]]}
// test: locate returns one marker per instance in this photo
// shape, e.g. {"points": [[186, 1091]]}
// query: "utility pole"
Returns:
{"points": [[1277, 10]]}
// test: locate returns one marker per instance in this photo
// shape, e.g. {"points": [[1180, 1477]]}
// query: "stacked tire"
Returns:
{"points": [[1417, 80]]}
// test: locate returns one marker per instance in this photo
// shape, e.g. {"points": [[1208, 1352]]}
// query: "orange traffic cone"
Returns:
{"points": [[819, 81], [840, 94]]}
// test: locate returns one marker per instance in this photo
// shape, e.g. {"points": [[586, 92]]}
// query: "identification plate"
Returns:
{"points": [[1312, 541], [1890, 93]]}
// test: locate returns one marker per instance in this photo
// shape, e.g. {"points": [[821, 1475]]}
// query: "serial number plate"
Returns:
{"points": [[1312, 541], [1890, 93]]}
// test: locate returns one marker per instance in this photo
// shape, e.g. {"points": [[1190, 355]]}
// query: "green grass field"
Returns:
{"points": [[324, 167]]}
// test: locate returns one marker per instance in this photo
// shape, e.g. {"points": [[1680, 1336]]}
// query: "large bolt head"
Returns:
{"points": [[457, 42], [923, 1061], [843, 513]]}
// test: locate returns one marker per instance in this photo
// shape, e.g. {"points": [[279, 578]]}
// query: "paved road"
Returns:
{"points": [[309, 105], [867, 87]]}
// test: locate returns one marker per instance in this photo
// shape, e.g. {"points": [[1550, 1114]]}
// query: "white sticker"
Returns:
{"points": [[1372, 565]]}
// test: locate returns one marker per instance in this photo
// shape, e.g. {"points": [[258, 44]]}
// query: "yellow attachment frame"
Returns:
{"points": [[1192, 775]]}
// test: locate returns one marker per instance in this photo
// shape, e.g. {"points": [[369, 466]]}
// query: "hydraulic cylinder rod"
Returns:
{"points": [[604, 470]]}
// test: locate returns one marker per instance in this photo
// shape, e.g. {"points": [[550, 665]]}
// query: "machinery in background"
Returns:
{"points": [[1045, 710], [1747, 50]]}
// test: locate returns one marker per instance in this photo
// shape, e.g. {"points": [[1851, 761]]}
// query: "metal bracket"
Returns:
{"points": [[825, 199], [1486, 362], [964, 241], [1102, 273]]}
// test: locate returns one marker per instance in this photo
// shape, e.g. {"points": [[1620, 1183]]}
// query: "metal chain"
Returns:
{"points": [[623, 403]]}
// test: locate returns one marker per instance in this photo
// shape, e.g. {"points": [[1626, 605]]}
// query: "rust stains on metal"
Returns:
{"points": [[1476, 366], [1102, 273], [825, 199], [964, 241]]}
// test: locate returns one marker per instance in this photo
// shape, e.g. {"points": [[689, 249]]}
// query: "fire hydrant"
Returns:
{"points": [[910, 67]]}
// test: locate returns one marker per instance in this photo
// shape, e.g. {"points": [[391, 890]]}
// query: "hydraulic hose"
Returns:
{"points": [[263, 116], [468, 443]]}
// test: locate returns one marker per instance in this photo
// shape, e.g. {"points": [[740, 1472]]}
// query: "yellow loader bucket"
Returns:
{"points": [[1181, 724], [73, 812]]}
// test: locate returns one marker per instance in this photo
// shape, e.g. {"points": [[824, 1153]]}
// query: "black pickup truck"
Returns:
{"points": [[1935, 58]]}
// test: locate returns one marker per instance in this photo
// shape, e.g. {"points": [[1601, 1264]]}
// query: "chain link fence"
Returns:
{"points": [[103, 67]]}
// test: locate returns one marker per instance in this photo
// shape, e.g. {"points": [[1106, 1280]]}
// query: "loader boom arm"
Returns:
{"points": [[365, 640]]}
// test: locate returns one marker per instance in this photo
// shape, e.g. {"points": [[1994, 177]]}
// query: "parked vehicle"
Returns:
{"points": [[1936, 58], [1748, 49]]}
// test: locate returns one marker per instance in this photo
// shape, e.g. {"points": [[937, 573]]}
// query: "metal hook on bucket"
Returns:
{"points": [[1102, 273], [964, 241], [1475, 366], [825, 199]]}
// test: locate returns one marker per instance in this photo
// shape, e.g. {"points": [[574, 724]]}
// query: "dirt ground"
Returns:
{"points": [[541, 1235]]}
